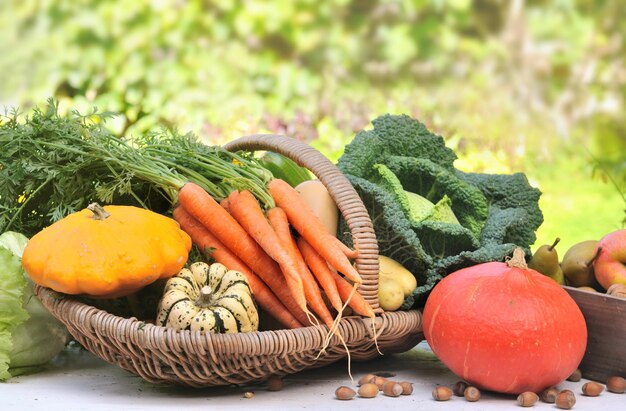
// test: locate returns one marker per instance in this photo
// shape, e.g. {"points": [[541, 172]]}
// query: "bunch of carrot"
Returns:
{"points": [[250, 232], [285, 252]]}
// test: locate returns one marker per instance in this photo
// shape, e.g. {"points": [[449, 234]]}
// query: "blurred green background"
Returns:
{"points": [[531, 86]]}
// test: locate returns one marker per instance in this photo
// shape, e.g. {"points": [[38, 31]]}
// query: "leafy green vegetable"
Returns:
{"points": [[514, 213], [443, 211], [13, 242], [475, 218], [49, 168], [426, 177], [416, 208], [29, 335], [12, 312], [393, 136], [419, 208]]}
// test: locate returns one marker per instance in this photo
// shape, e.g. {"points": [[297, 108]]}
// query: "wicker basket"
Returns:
{"points": [[163, 355]]}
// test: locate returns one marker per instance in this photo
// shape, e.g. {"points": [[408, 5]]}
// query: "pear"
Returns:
{"points": [[546, 261], [577, 264]]}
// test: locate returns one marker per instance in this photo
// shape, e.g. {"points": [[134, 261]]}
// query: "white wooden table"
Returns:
{"points": [[78, 380]]}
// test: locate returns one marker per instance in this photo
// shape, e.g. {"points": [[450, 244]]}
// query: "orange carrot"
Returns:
{"points": [[304, 220], [350, 253], [322, 272], [245, 208], [224, 204], [209, 244], [312, 292], [355, 300], [199, 204]]}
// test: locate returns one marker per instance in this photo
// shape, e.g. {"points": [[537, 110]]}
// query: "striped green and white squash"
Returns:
{"points": [[208, 298]]}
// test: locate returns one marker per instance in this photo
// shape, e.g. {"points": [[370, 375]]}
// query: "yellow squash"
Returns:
{"points": [[106, 252]]}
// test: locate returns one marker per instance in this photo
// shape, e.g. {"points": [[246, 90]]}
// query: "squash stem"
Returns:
{"points": [[205, 298], [518, 260], [99, 213]]}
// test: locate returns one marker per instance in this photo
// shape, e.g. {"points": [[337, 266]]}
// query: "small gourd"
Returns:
{"points": [[208, 298], [106, 252]]}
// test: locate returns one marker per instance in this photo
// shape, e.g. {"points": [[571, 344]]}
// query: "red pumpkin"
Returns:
{"points": [[504, 327]]}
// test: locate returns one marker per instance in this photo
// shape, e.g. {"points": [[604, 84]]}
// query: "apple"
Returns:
{"points": [[610, 266]]}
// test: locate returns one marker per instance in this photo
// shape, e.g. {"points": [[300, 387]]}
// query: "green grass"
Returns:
{"points": [[575, 205]]}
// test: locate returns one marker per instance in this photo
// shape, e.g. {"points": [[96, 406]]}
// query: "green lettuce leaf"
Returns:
{"points": [[14, 242], [12, 312], [29, 335]]}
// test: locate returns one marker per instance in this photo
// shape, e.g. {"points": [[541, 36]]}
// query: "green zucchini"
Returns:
{"points": [[284, 168]]}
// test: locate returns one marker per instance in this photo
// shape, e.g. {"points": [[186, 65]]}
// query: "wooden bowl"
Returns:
{"points": [[605, 316]]}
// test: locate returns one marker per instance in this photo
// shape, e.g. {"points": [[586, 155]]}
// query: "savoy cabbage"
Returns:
{"points": [[495, 212]]}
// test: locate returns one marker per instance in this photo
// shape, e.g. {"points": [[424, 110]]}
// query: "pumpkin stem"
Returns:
{"points": [[518, 260], [99, 213], [205, 298]]}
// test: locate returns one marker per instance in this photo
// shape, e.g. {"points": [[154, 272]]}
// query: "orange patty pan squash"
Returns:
{"points": [[106, 252]]}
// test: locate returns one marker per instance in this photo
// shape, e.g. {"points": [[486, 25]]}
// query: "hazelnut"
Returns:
{"points": [[616, 384], [617, 290], [565, 400], [344, 393], [368, 390], [471, 394], [407, 388], [549, 395], [274, 383], [379, 381], [442, 393], [392, 389], [527, 399], [366, 378], [459, 388], [592, 389], [575, 376]]}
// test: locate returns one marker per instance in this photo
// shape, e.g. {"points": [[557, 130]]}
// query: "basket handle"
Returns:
{"points": [[345, 196]]}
